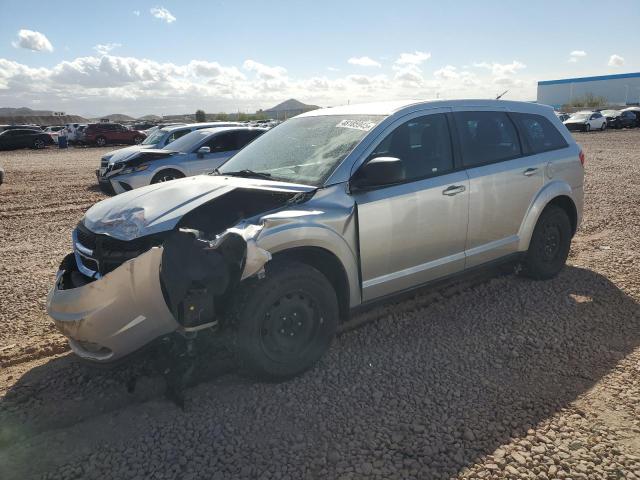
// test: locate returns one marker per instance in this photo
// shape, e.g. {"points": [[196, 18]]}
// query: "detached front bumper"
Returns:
{"points": [[115, 315]]}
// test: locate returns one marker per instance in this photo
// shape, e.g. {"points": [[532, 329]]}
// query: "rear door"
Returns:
{"points": [[222, 145], [414, 232], [503, 181]]}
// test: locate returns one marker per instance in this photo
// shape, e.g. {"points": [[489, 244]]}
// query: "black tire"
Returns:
{"points": [[38, 144], [550, 244], [587, 127], [101, 141], [285, 322], [603, 127], [166, 175]]}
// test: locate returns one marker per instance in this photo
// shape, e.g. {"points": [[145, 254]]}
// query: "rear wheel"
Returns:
{"points": [[604, 126], [101, 141], [285, 322], [166, 176], [138, 140], [549, 246], [38, 144], [587, 127]]}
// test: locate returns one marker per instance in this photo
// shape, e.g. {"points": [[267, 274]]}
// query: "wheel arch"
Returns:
{"points": [[557, 193]]}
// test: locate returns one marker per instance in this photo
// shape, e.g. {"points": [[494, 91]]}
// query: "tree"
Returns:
{"points": [[200, 116]]}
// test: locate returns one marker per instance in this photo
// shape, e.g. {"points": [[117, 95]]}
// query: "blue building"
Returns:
{"points": [[622, 89]]}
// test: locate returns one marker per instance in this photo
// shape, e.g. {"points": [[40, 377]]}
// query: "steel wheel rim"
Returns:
{"points": [[551, 241], [290, 326]]}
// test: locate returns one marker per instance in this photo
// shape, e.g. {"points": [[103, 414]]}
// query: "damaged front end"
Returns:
{"points": [[113, 296]]}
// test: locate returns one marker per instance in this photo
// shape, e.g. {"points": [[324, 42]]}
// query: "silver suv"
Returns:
{"points": [[330, 210]]}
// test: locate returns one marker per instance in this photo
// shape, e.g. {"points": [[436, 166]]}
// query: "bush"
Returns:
{"points": [[200, 116]]}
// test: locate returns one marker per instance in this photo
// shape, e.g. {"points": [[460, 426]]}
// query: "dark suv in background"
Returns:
{"points": [[15, 138], [101, 134]]}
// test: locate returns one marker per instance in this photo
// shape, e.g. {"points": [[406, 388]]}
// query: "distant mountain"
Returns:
{"points": [[23, 112], [291, 105], [152, 118], [117, 117]]}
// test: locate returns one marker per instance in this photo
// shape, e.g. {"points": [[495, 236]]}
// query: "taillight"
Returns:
{"points": [[581, 155]]}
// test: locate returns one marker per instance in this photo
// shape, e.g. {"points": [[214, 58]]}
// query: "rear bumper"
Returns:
{"points": [[116, 315]]}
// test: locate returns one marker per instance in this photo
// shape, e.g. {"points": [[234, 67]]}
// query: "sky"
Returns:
{"points": [[167, 57]]}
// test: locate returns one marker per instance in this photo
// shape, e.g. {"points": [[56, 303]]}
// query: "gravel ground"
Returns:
{"points": [[499, 378]]}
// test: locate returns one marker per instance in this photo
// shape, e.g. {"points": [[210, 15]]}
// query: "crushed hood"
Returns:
{"points": [[127, 153], [159, 207]]}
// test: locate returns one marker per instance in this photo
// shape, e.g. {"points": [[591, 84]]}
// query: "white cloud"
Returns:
{"points": [[448, 72], [31, 40], [105, 48], [364, 62], [577, 55], [333, 69], [163, 14], [501, 69], [415, 58], [136, 13], [99, 84], [616, 61]]}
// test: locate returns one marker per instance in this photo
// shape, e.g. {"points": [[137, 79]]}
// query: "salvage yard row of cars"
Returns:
{"points": [[589, 120], [272, 249]]}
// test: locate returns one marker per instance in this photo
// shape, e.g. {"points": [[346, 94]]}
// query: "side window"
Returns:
{"points": [[247, 136], [486, 137], [539, 133], [177, 135], [423, 144], [224, 142]]}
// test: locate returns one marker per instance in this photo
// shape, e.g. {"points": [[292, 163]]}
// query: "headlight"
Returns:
{"points": [[124, 225], [138, 168]]}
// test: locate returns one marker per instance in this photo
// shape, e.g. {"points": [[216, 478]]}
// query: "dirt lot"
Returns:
{"points": [[504, 378]]}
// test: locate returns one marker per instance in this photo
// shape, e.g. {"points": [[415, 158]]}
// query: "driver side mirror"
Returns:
{"points": [[379, 171], [203, 150]]}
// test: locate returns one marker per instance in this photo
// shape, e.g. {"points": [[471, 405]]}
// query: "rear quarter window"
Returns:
{"points": [[539, 133]]}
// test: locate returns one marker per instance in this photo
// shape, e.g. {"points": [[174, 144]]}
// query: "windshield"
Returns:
{"points": [[154, 137], [303, 150], [188, 142], [580, 116]]}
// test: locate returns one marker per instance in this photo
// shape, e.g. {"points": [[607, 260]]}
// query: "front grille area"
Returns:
{"points": [[109, 253]]}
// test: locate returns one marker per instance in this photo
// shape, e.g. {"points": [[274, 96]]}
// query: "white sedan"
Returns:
{"points": [[586, 121]]}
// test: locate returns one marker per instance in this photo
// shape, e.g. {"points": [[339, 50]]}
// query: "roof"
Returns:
{"points": [[197, 126], [389, 108], [590, 79]]}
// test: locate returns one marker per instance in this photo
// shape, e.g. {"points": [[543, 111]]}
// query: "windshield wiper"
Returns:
{"points": [[245, 173]]}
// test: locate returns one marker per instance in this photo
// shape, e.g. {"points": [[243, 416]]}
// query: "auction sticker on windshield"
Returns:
{"points": [[356, 124]]}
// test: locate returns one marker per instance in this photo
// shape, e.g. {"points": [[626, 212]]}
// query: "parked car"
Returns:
{"points": [[586, 121], [53, 132], [24, 138], [619, 119], [197, 152], [160, 138], [635, 111], [101, 134], [333, 209], [20, 127], [562, 116]]}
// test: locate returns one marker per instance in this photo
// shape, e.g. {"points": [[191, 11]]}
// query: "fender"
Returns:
{"points": [[286, 233], [551, 190]]}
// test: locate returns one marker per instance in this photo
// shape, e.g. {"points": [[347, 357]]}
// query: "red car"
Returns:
{"points": [[102, 133]]}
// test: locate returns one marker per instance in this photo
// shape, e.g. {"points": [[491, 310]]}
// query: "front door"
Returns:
{"points": [[415, 231], [222, 147]]}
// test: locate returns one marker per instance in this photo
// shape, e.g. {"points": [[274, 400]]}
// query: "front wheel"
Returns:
{"points": [[38, 144], [101, 141], [166, 176], [587, 127], [285, 322], [549, 246], [138, 140], [603, 127]]}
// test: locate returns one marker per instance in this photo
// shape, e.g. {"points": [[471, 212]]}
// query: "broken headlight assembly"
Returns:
{"points": [[123, 225], [133, 169]]}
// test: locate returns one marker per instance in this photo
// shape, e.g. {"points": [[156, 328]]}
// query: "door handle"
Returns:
{"points": [[529, 171], [453, 190]]}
